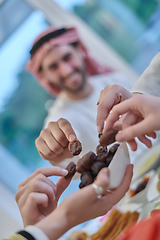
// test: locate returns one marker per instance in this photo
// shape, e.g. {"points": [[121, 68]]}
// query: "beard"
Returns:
{"points": [[62, 86]]}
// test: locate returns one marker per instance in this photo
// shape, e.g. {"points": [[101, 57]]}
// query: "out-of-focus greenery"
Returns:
{"points": [[119, 22], [22, 119], [142, 8]]}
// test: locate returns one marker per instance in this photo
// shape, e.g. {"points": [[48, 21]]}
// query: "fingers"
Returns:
{"points": [[30, 208], [35, 199], [102, 178], [46, 171], [38, 181], [113, 117], [55, 138], [66, 127], [152, 135], [101, 116], [61, 185], [133, 144], [40, 188], [35, 186], [110, 96], [145, 141], [37, 194], [136, 130]]}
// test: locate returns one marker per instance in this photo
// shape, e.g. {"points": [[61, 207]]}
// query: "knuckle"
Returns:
{"points": [[42, 133], [32, 196], [61, 139], [19, 186], [50, 125], [57, 149], [35, 184], [63, 122], [37, 141], [48, 153], [115, 86], [17, 197], [39, 171], [102, 104]]}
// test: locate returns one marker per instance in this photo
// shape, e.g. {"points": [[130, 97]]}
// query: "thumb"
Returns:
{"points": [[102, 179], [61, 185]]}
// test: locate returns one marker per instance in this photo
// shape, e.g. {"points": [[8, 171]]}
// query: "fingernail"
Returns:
{"points": [[71, 138], [64, 171], [120, 137], [106, 171]]}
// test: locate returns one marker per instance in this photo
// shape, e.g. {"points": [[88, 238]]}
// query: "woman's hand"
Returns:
{"points": [[37, 196], [84, 205], [142, 114]]}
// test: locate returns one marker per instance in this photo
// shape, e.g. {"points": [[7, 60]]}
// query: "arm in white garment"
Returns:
{"points": [[149, 81]]}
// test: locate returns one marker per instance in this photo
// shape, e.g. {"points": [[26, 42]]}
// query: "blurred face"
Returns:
{"points": [[64, 67]]}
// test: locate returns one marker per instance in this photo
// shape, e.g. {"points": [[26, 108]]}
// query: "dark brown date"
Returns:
{"points": [[79, 167], [114, 148], [81, 185], [86, 162], [71, 167], [109, 158], [75, 147], [101, 149], [87, 178], [108, 137], [101, 157], [96, 167]]}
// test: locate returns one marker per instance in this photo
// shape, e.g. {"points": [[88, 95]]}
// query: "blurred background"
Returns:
{"points": [[124, 34]]}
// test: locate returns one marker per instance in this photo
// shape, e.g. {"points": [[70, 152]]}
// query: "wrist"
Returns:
{"points": [[54, 225]]}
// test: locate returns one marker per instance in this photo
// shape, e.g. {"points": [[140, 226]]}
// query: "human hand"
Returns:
{"points": [[142, 114], [84, 205], [110, 96], [52, 143], [37, 196]]}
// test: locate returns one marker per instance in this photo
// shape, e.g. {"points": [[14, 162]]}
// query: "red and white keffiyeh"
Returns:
{"points": [[70, 36]]}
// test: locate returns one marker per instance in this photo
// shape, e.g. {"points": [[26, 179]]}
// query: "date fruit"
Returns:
{"points": [[71, 167], [75, 147], [108, 137], [86, 161]]}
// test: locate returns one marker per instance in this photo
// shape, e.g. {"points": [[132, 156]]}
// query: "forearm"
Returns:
{"points": [[149, 81], [55, 225]]}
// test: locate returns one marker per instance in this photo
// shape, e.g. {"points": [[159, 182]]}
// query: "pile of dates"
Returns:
{"points": [[91, 163]]}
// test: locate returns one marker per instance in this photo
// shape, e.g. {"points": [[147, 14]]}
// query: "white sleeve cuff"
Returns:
{"points": [[36, 232]]}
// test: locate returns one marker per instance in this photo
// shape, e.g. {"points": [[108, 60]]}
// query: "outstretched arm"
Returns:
{"points": [[84, 205], [37, 197]]}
